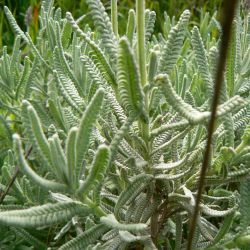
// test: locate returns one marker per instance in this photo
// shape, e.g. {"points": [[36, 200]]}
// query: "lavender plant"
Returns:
{"points": [[110, 133]]}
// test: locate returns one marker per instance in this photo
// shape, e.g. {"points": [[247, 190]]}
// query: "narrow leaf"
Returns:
{"points": [[85, 128], [41, 216], [97, 171], [132, 191], [129, 83], [46, 184], [110, 221]]}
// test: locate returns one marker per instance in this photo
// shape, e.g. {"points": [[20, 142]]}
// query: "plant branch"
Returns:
{"points": [[141, 57], [229, 9], [17, 170], [114, 17], [141, 53]]}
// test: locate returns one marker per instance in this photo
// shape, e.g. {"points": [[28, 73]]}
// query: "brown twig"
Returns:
{"points": [[6, 191], [228, 16]]}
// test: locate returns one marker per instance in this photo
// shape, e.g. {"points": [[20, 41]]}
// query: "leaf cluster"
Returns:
{"points": [[108, 132]]}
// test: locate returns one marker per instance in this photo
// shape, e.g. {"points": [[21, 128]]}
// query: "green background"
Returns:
{"points": [[23, 13]]}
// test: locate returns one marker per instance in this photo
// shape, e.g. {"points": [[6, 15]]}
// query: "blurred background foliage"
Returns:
{"points": [[26, 13]]}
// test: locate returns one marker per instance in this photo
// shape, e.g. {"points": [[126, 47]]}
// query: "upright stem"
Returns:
{"points": [[229, 9], [131, 26], [114, 17], [96, 209], [11, 183], [141, 55]]}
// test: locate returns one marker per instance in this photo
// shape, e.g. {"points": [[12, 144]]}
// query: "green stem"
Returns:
{"points": [[141, 57], [240, 147], [114, 17], [96, 209], [141, 54], [131, 26]]}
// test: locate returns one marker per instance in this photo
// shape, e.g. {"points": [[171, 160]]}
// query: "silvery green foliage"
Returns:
{"points": [[114, 161]]}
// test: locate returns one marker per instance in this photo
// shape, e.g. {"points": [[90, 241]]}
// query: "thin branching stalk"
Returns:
{"points": [[229, 9], [17, 171], [141, 53], [114, 17], [125, 151], [141, 57]]}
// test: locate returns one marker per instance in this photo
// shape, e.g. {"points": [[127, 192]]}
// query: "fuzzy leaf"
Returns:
{"points": [[97, 171], [129, 83], [43, 216], [29, 238], [14, 24], [83, 240], [101, 61], [103, 26], [150, 17], [191, 114], [171, 50], [110, 221], [38, 138], [202, 61], [132, 191], [85, 128], [131, 26], [245, 203], [58, 158], [186, 110], [71, 153], [46, 184]]}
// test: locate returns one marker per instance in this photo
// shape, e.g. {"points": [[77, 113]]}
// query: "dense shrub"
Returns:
{"points": [[109, 133]]}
